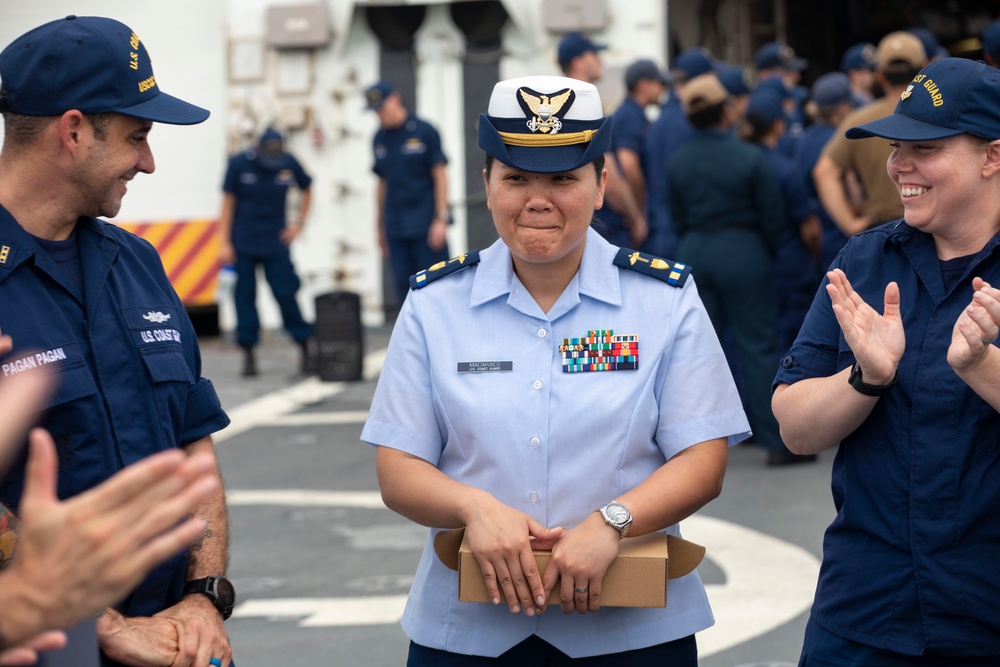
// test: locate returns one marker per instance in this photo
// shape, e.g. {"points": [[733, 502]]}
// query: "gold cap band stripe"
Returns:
{"points": [[567, 139]]}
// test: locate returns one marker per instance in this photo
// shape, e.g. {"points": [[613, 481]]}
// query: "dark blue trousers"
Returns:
{"points": [[280, 275], [408, 256], [823, 648], [535, 652]]}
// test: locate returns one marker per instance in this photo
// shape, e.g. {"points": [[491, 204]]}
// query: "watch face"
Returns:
{"points": [[618, 514], [227, 594]]}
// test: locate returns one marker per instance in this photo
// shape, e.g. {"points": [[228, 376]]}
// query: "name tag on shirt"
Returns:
{"points": [[485, 366]]}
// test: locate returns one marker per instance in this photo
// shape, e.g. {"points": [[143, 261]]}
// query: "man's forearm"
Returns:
{"points": [[828, 177], [209, 554]]}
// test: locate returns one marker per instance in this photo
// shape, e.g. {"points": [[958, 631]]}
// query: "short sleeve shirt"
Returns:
{"points": [[529, 432], [124, 355], [868, 157], [910, 559], [404, 157], [261, 197]]}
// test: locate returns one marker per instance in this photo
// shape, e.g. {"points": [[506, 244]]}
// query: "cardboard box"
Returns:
{"points": [[637, 577]]}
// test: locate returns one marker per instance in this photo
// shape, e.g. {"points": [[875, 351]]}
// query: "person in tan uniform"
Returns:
{"points": [[899, 57]]}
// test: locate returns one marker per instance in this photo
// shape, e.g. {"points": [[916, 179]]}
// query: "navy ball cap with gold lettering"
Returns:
{"points": [[89, 63], [950, 96], [545, 124]]}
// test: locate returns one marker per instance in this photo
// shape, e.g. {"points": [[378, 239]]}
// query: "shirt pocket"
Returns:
{"points": [[157, 335], [72, 382]]}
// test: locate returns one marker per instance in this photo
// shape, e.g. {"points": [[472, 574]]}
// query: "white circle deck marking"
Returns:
{"points": [[768, 581]]}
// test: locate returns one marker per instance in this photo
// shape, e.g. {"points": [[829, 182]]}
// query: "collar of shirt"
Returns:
{"points": [[596, 278]]}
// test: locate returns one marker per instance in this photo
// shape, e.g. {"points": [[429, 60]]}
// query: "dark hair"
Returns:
{"points": [[755, 128], [100, 122], [598, 166], [899, 74], [21, 130], [707, 117]]}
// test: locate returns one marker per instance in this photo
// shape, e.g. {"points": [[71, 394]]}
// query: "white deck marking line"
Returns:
{"points": [[264, 410], [768, 581]]}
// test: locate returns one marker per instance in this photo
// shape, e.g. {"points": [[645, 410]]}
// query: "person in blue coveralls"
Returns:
{"points": [[896, 369], [412, 198], [645, 83], [666, 134], [727, 209], [796, 272], [254, 232], [93, 303], [777, 62], [858, 64], [551, 392], [830, 100]]}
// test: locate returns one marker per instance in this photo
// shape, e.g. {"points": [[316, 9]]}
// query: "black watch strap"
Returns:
{"points": [[217, 589], [857, 381]]}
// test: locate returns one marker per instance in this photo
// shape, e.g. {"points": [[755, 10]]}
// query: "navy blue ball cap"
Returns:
{"points": [[859, 56], [774, 54], [693, 62], [831, 89], [91, 64], [545, 124], [991, 39], [575, 44], [645, 68], [377, 93], [948, 97], [270, 151], [735, 79], [932, 47], [766, 105]]}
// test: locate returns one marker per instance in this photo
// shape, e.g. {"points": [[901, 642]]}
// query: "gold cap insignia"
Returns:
{"points": [[544, 109]]}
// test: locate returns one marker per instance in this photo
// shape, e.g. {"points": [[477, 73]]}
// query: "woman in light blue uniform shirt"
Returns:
{"points": [[496, 410]]}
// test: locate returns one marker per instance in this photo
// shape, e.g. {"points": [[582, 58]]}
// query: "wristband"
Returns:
{"points": [[861, 387]]}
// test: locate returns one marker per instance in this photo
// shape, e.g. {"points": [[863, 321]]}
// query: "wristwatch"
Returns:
{"points": [[617, 516], [218, 589], [860, 386]]}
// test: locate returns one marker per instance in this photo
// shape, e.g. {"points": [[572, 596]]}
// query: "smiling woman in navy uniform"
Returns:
{"points": [[533, 383], [896, 367], [92, 302]]}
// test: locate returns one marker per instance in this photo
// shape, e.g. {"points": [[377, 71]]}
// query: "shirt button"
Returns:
{"points": [[537, 384], [535, 441], [787, 362], [542, 333], [533, 497]]}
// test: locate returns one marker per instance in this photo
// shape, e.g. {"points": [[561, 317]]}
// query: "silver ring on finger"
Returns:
{"points": [[581, 590], [988, 342]]}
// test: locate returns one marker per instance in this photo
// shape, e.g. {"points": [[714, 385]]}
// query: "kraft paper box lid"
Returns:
{"points": [[637, 577]]}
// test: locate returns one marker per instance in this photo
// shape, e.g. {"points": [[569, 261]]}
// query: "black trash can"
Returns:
{"points": [[339, 342]]}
